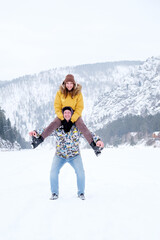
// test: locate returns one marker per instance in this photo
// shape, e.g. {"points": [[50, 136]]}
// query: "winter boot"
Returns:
{"points": [[96, 149], [36, 141]]}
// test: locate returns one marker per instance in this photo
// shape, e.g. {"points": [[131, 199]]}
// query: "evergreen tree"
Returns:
{"points": [[113, 133], [9, 133]]}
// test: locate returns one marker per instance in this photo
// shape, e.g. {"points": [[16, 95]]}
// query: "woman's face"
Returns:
{"points": [[69, 85]]}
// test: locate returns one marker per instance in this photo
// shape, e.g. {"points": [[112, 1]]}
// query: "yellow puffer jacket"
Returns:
{"points": [[76, 103]]}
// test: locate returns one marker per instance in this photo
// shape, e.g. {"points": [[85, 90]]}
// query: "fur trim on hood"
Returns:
{"points": [[75, 91]]}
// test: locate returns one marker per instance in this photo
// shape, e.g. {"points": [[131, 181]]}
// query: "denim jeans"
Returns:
{"points": [[57, 164]]}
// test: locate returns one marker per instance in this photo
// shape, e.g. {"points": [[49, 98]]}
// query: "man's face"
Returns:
{"points": [[67, 115]]}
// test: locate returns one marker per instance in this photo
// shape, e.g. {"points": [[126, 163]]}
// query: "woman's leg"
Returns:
{"points": [[57, 164], [52, 126], [77, 164], [87, 134], [82, 127]]}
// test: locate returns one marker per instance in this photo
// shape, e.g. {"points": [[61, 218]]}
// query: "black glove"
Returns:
{"points": [[66, 125], [36, 141]]}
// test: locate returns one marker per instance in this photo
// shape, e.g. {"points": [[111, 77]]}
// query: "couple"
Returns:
{"points": [[67, 150], [68, 126]]}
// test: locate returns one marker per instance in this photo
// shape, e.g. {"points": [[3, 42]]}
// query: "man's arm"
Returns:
{"points": [[37, 138]]}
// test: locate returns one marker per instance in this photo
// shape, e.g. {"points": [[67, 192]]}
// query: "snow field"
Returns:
{"points": [[122, 196]]}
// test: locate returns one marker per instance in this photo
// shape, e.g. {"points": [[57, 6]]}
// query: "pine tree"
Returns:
{"points": [[9, 133]]}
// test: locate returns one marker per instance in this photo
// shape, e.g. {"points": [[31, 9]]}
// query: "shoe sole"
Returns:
{"points": [[82, 198], [55, 198]]}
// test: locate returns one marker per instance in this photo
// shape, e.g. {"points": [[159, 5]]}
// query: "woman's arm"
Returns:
{"points": [[79, 108], [58, 106]]}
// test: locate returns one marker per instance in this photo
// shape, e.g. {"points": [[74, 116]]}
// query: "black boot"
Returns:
{"points": [[36, 141], [96, 149]]}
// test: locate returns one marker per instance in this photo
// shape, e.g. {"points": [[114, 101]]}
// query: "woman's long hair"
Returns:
{"points": [[75, 90]]}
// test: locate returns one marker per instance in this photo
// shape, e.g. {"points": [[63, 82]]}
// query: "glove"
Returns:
{"points": [[36, 141], [66, 125]]}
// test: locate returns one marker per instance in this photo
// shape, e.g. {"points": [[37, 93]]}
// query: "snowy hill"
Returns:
{"points": [[122, 197], [137, 94], [111, 90]]}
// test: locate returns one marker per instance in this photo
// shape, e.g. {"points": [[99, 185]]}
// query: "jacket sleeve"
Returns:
{"points": [[96, 138], [78, 109], [58, 106]]}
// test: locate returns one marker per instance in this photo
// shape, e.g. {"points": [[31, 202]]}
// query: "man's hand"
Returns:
{"points": [[100, 144], [33, 133]]}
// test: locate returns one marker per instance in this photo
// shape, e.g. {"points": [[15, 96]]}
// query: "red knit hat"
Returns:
{"points": [[69, 78]]}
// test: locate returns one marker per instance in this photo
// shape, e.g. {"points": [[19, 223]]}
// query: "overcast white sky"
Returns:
{"points": [[38, 35]]}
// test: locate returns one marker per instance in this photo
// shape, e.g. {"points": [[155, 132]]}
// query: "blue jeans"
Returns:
{"points": [[57, 164]]}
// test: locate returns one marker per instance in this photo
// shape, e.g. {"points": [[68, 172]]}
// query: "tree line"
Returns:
{"points": [[114, 132]]}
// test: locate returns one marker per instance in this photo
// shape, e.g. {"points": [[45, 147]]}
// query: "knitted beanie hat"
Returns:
{"points": [[69, 78], [67, 108]]}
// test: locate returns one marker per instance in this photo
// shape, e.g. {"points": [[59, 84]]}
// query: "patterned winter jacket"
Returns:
{"points": [[67, 144]]}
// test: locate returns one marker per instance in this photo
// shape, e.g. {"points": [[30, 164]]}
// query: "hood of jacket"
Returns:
{"points": [[76, 90]]}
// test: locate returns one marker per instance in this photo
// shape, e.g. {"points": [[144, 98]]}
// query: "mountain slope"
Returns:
{"points": [[110, 90], [137, 94], [28, 101]]}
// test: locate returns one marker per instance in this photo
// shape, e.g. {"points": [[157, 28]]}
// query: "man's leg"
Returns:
{"points": [[57, 163], [76, 163]]}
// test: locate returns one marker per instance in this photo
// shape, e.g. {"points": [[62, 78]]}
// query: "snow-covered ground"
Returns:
{"points": [[122, 196]]}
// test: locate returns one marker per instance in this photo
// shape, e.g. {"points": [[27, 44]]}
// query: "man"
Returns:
{"points": [[67, 150]]}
